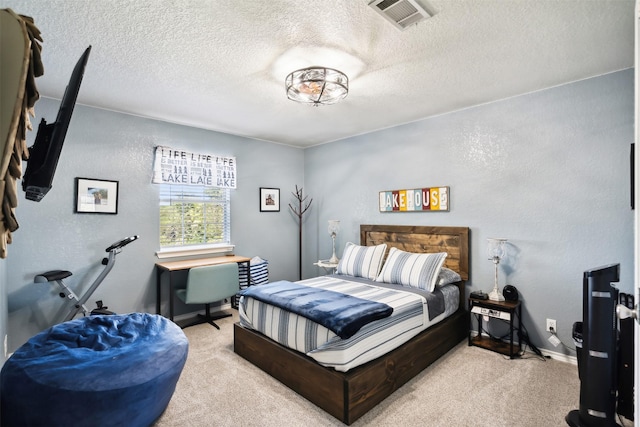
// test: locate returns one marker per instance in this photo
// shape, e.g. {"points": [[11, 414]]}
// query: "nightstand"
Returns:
{"points": [[324, 263], [507, 311]]}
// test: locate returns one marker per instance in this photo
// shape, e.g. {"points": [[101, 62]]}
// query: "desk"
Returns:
{"points": [[171, 266]]}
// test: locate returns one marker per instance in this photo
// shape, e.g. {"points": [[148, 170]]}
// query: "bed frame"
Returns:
{"points": [[349, 395]]}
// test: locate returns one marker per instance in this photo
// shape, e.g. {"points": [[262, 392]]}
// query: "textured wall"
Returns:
{"points": [[106, 145], [548, 170]]}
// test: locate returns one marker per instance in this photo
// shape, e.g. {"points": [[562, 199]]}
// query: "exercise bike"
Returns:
{"points": [[78, 302]]}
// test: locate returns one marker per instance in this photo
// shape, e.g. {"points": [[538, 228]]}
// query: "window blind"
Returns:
{"points": [[194, 215]]}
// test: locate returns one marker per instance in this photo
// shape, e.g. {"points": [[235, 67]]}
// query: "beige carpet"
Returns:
{"points": [[469, 386]]}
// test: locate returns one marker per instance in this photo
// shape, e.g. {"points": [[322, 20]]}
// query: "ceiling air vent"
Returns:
{"points": [[401, 13]]}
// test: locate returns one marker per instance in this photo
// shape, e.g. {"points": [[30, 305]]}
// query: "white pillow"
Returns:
{"points": [[411, 269], [361, 261]]}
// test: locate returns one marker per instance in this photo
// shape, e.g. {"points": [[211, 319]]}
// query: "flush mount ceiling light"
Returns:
{"points": [[317, 85]]}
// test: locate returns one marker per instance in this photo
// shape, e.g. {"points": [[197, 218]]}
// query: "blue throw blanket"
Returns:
{"points": [[341, 313]]}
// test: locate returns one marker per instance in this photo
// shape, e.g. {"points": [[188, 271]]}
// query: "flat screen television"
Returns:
{"points": [[45, 151]]}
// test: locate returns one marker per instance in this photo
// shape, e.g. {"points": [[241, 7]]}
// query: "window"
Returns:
{"points": [[194, 216]]}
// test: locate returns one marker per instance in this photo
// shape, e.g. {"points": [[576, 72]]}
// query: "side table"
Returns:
{"points": [[324, 263], [507, 311]]}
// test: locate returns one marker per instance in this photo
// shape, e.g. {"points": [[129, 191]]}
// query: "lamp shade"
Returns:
{"points": [[496, 248], [334, 227]]}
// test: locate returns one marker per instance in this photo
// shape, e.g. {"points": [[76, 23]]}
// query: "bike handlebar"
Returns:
{"points": [[121, 243]]}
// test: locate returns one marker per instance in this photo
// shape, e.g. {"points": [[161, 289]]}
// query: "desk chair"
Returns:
{"points": [[209, 284]]}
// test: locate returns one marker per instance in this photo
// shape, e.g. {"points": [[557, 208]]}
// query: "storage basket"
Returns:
{"points": [[257, 274]]}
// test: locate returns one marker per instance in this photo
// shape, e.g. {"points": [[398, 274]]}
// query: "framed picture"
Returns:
{"points": [[269, 199], [96, 196]]}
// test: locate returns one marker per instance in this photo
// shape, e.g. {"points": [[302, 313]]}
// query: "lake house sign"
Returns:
{"points": [[415, 200]]}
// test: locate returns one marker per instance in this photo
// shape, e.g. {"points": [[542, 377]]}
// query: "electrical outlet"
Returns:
{"points": [[551, 326]]}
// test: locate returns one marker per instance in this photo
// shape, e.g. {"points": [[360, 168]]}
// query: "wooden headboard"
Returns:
{"points": [[423, 239]]}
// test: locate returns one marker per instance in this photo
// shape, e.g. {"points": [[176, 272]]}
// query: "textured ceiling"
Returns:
{"points": [[221, 64]]}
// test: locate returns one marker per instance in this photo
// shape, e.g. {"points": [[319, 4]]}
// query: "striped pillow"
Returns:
{"points": [[361, 261], [410, 269]]}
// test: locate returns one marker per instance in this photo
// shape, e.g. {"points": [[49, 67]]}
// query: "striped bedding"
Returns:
{"points": [[410, 316]]}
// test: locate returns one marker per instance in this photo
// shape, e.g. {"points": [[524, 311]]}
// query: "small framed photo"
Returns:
{"points": [[96, 196], [269, 199]]}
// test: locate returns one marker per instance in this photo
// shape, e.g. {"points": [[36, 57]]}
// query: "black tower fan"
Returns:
{"points": [[597, 359]]}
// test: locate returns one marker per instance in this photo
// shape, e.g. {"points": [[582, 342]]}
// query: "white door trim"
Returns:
{"points": [[637, 212]]}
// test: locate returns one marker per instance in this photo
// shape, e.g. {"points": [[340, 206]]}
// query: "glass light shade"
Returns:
{"points": [[334, 227], [496, 248], [317, 85]]}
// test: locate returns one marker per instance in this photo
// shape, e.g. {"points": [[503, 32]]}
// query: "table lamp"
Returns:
{"points": [[496, 251], [334, 227]]}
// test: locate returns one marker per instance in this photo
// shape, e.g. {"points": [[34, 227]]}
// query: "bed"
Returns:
{"points": [[347, 395]]}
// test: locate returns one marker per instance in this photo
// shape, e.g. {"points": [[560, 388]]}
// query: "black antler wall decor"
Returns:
{"points": [[303, 206]]}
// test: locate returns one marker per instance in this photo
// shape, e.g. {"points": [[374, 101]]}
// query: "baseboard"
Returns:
{"points": [[548, 353], [560, 356]]}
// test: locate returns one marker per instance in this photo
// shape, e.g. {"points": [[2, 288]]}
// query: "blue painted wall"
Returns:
{"points": [[106, 145], [547, 170]]}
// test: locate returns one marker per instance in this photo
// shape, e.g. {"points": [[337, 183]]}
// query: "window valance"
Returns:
{"points": [[173, 166]]}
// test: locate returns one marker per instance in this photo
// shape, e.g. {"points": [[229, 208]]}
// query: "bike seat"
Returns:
{"points": [[51, 276]]}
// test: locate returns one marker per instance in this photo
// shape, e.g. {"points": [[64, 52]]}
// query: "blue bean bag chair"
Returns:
{"points": [[103, 370]]}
